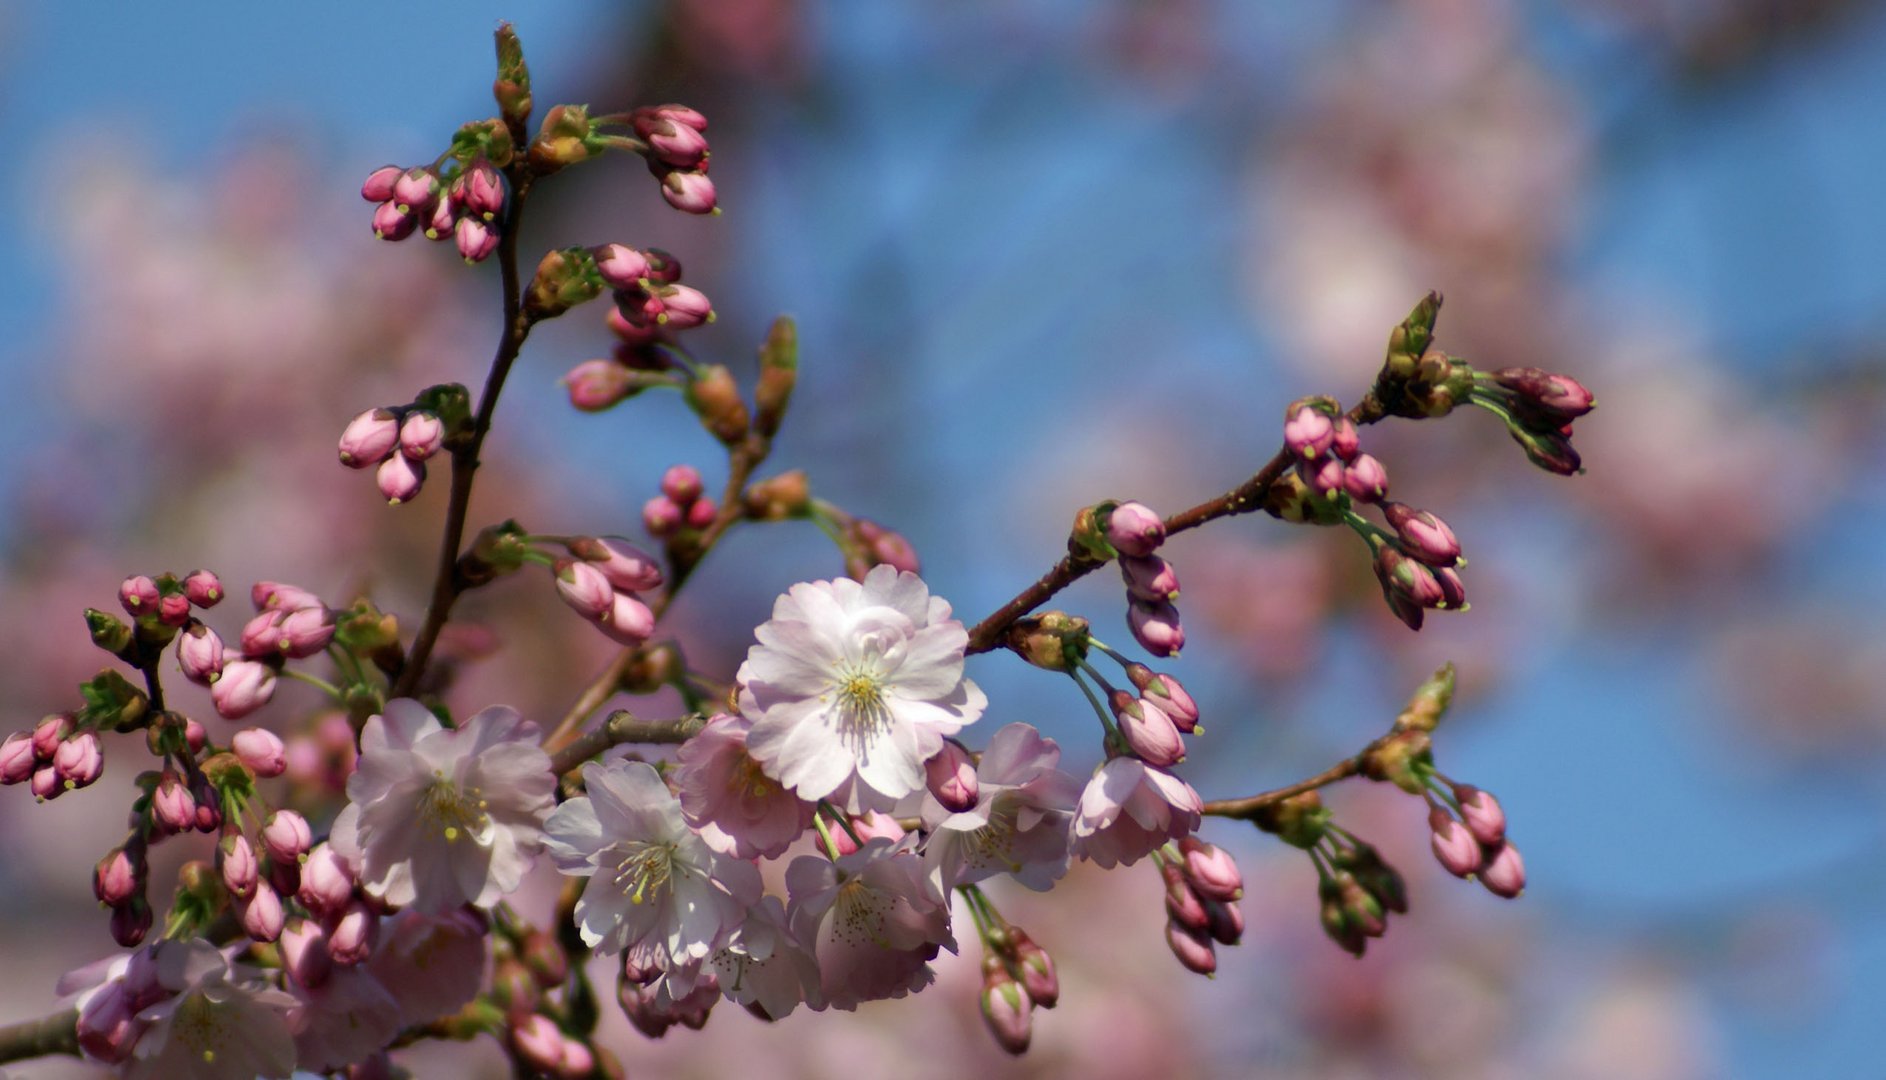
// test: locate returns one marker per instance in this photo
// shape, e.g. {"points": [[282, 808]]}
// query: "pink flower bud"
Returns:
{"points": [[17, 758], [130, 921], [1211, 870], [1184, 905], [868, 826], [632, 329], [139, 595], [1192, 947], [1167, 693], [671, 143], [117, 878], [1036, 969], [400, 478], [1006, 1010], [1455, 847], [209, 814], [262, 751], [1424, 536], [584, 588], [539, 1044], [306, 631], [1224, 921], [327, 882], [441, 222], [45, 784], [1325, 475], [1453, 593], [701, 513], [421, 435], [174, 610], [354, 933], [203, 588], [49, 733], [172, 804], [576, 1061], [392, 223], [369, 438], [682, 483], [1559, 397], [1133, 529], [595, 385], [1309, 432], [416, 189], [261, 914], [681, 114], [1504, 872], [271, 595], [79, 760], [245, 686], [1345, 442], [262, 634], [890, 548], [661, 517], [483, 188], [951, 777], [1407, 578], [627, 567], [689, 192], [304, 953], [663, 267], [286, 837], [629, 621], [237, 861], [620, 265], [1482, 814], [1156, 627], [380, 183], [476, 237], [1149, 733], [108, 1027], [1365, 479], [195, 736], [684, 307], [1149, 578]]}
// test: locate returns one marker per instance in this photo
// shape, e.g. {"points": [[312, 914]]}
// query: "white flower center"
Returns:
{"points": [[861, 710], [200, 1025], [645, 870], [446, 808]]}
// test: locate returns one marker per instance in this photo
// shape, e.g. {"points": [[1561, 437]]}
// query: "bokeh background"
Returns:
{"points": [[1041, 254]]}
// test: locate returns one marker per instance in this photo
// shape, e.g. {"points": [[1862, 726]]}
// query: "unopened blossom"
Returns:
{"points": [[764, 967], [286, 836], [950, 777], [1019, 824], [626, 566], [1482, 814], [1134, 530], [1454, 847], [438, 817], [400, 478], [262, 751], [431, 964], [854, 685], [213, 1024], [869, 920], [368, 438], [1129, 809], [200, 654], [1155, 625], [653, 881], [628, 621], [737, 808], [244, 686], [1503, 872]]}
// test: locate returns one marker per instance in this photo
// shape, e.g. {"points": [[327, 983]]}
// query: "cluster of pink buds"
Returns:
{"points": [[682, 505], [677, 155], [290, 624], [1474, 843], [1018, 977], [1203, 887], [469, 206], [1328, 452], [1538, 408], [1417, 567], [649, 296], [540, 1044], [600, 581], [399, 441], [1136, 532], [55, 757], [646, 1001]]}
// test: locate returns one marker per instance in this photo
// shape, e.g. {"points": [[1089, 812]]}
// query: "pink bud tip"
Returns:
{"points": [[1482, 813], [400, 478], [306, 631], [49, 733], [79, 760], [1345, 441], [1192, 947], [238, 865], [1156, 627], [689, 192], [130, 922], [661, 517], [951, 777], [701, 513], [380, 183], [1006, 1011], [476, 238], [1169, 694], [354, 933], [1365, 479], [1134, 530], [421, 435], [584, 587], [262, 751], [172, 804], [538, 1043], [620, 265], [304, 953], [203, 588], [483, 188], [1454, 847], [116, 878], [244, 687], [392, 223], [286, 837], [1224, 921], [270, 595], [17, 758], [629, 621], [1504, 872], [195, 736], [1309, 432], [684, 307], [1149, 733], [261, 915], [441, 222], [1325, 475], [1425, 536], [1037, 970], [139, 595], [174, 610], [415, 189], [1211, 870], [682, 483], [627, 567], [1149, 578], [369, 438], [327, 882], [595, 385]]}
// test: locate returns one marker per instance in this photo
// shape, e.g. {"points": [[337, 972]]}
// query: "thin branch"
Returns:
{"points": [[445, 586], [1251, 806], [55, 1034], [624, 727]]}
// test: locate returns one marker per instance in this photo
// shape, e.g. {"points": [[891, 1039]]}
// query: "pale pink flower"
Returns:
{"points": [[853, 685], [208, 1026], [441, 817], [869, 920], [347, 1016], [432, 965], [739, 810], [1019, 824], [653, 881], [1130, 808], [764, 967]]}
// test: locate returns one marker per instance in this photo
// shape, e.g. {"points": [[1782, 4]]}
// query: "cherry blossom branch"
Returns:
{"points": [[446, 583], [1249, 807], [624, 727], [55, 1034], [1076, 564]]}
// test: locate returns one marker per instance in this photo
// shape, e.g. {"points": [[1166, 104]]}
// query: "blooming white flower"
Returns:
{"points": [[853, 686], [440, 817], [869, 920], [210, 1027], [654, 884], [1130, 808], [739, 810], [765, 967], [1019, 824]]}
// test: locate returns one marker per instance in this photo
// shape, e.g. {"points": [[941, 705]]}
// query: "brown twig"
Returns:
{"points": [[624, 727], [1250, 806], [55, 1034]]}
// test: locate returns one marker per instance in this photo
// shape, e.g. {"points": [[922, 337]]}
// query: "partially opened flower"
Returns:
{"points": [[853, 686], [739, 810], [654, 883], [1130, 808], [440, 817], [432, 965], [348, 1016], [764, 967], [869, 920], [1019, 824]]}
